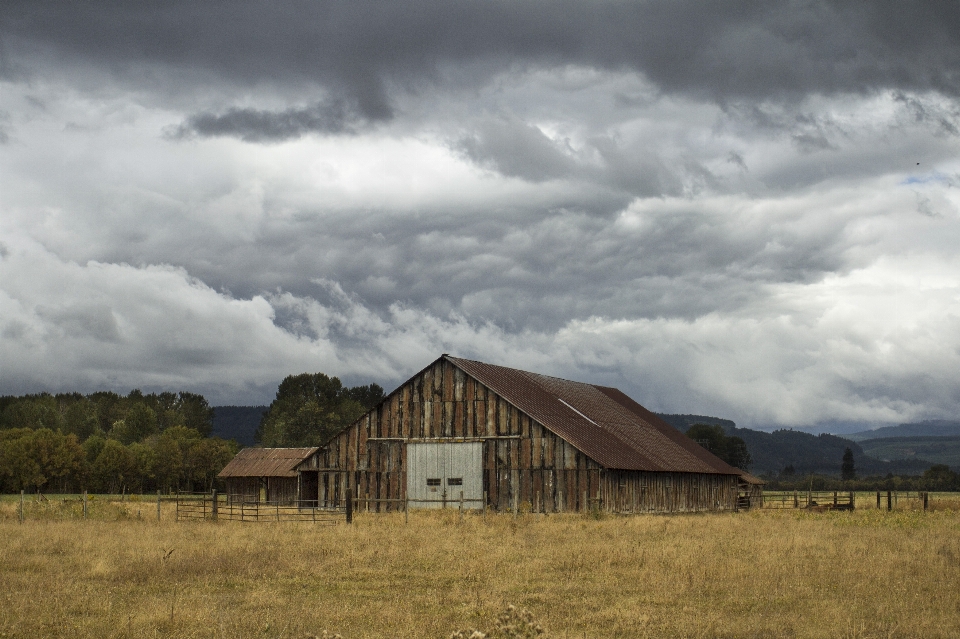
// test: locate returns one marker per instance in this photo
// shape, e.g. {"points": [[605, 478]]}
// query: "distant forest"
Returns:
{"points": [[105, 442], [108, 443]]}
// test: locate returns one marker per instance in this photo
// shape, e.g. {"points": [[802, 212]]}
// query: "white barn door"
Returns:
{"points": [[438, 472]]}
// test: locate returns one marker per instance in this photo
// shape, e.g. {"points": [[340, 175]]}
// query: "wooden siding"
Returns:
{"points": [[243, 489], [635, 491], [524, 465], [283, 490]]}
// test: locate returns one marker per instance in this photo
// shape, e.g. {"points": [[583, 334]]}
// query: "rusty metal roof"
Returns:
{"points": [[266, 462], [602, 422]]}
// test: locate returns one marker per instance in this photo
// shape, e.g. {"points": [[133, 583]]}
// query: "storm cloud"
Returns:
{"points": [[734, 208]]}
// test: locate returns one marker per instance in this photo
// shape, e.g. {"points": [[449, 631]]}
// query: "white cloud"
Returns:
{"points": [[775, 256], [836, 349]]}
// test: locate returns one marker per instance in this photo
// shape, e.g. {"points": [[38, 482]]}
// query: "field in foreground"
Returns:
{"points": [[759, 574]]}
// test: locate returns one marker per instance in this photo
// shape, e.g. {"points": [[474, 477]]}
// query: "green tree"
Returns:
{"points": [[197, 413], [18, 464], [141, 422], [114, 469], [59, 456], [940, 477], [311, 408], [121, 432], [168, 465], [206, 458], [80, 418], [145, 463], [732, 450], [848, 471]]}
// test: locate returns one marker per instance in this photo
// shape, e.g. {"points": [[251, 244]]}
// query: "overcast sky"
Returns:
{"points": [[741, 209]]}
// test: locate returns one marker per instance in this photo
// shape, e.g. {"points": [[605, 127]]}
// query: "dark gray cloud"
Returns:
{"points": [[735, 207], [252, 125], [516, 149], [717, 49]]}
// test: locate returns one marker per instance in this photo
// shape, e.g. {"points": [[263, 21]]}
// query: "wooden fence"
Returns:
{"points": [[214, 507], [813, 499]]}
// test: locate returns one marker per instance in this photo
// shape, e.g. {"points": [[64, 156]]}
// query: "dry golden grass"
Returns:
{"points": [[759, 574]]}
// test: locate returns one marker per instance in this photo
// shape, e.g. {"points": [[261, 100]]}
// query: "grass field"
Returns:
{"points": [[759, 574]]}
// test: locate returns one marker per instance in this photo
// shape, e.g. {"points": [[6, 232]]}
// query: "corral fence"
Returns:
{"points": [[812, 499], [912, 499], [846, 500], [218, 507]]}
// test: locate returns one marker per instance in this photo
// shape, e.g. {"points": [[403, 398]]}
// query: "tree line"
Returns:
{"points": [[105, 442]]}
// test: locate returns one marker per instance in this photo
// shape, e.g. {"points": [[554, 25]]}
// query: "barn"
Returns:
{"points": [[275, 475], [463, 432]]}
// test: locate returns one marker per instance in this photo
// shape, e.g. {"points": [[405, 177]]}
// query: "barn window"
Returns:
{"points": [[455, 481], [433, 481]]}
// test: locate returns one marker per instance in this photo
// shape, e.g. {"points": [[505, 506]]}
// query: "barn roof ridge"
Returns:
{"points": [[602, 422]]}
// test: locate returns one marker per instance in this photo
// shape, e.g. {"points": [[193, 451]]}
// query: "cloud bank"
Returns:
{"points": [[740, 209]]}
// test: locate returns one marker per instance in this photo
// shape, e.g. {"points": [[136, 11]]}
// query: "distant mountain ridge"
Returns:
{"points": [[805, 453], [237, 422], [929, 428]]}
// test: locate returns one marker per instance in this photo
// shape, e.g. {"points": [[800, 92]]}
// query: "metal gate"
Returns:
{"points": [[442, 474]]}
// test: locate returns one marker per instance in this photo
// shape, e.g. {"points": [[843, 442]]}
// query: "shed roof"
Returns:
{"points": [[266, 462], [604, 423]]}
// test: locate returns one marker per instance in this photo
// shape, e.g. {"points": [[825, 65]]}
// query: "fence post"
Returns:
{"points": [[406, 509], [84, 504], [349, 506], [158, 505], [926, 497], [796, 499], [484, 505], [878, 500], [461, 505], [214, 511], [889, 500], [21, 506], [853, 500]]}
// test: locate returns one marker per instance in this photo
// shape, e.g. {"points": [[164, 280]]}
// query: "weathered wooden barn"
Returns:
{"points": [[509, 439], [274, 475]]}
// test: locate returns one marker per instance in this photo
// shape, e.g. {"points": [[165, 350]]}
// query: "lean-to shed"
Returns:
{"points": [[274, 475], [506, 438]]}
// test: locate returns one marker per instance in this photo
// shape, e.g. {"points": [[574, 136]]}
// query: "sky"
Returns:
{"points": [[741, 209]]}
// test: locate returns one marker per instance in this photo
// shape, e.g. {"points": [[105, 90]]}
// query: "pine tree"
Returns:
{"points": [[847, 469]]}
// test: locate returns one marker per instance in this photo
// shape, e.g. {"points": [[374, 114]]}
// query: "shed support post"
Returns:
{"points": [[889, 500]]}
